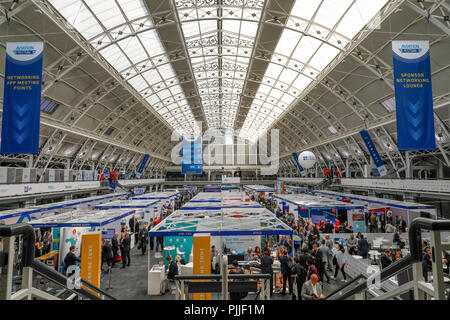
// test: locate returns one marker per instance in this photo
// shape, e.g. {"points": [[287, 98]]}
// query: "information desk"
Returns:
{"points": [[156, 276]]}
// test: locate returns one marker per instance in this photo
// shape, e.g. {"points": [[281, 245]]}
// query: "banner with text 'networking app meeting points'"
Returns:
{"points": [[373, 152], [302, 171], [22, 97], [192, 155], [413, 95]]}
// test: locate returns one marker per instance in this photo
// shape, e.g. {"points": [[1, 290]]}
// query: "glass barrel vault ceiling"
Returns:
{"points": [[140, 59], [220, 40]]}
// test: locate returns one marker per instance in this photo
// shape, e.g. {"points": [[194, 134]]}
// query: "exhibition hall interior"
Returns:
{"points": [[238, 150]]}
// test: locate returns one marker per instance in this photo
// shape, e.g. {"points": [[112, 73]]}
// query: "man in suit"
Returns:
{"points": [[115, 247], [398, 240], [328, 227], [401, 224], [299, 272], [143, 238], [363, 247], [330, 244], [286, 272], [317, 254], [266, 267], [386, 259], [351, 244], [107, 253], [125, 247], [312, 290]]}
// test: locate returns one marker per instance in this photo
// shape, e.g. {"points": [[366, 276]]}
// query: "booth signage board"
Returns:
{"points": [[22, 97], [202, 260], [359, 221], [373, 152], [413, 95], [182, 247], [226, 179], [91, 252]]}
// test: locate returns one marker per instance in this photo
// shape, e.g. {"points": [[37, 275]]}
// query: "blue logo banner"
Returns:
{"points": [[298, 163], [192, 160], [22, 97], [373, 152], [413, 95], [143, 163]]}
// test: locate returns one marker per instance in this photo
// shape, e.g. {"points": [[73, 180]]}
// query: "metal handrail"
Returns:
{"points": [[60, 279], [28, 243], [415, 233], [218, 276]]}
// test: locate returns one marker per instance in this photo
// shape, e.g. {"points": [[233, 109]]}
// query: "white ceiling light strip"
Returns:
{"points": [[139, 57], [298, 59], [220, 93]]}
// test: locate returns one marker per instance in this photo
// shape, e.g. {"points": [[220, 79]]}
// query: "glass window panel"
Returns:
{"points": [[323, 57], [306, 49]]}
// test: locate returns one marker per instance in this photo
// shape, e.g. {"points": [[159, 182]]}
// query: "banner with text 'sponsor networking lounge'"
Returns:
{"points": [[413, 95], [22, 97]]}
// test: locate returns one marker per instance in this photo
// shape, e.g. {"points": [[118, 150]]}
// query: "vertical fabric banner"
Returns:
{"points": [[202, 260], [22, 97], [91, 252], [373, 152], [142, 165], [359, 221], [302, 171], [192, 155], [413, 95]]}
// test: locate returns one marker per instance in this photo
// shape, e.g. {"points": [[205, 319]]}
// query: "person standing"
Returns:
{"points": [[115, 247], [299, 272], [363, 247], [152, 239], [373, 222], [266, 267], [286, 272], [401, 224], [107, 253], [125, 247], [341, 261], [351, 244], [318, 261], [325, 253], [386, 259], [71, 259], [143, 238], [330, 244]]}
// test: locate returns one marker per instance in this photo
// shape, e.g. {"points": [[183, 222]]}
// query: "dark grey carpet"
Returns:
{"points": [[131, 283]]}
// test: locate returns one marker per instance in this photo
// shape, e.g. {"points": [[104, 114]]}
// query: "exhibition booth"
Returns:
{"points": [[318, 208], [408, 210], [294, 189], [212, 188], [256, 190], [67, 229], [36, 212], [230, 230], [144, 209]]}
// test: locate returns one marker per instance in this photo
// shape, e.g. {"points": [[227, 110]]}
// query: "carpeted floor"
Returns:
{"points": [[131, 283]]}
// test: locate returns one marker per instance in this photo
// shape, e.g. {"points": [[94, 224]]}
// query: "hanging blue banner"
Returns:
{"points": [[143, 163], [22, 97], [413, 95], [373, 152], [302, 171], [192, 160]]}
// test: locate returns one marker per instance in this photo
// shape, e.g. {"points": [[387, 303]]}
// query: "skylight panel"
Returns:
{"points": [[305, 8], [138, 83], [288, 76], [107, 12], [288, 41], [301, 82], [332, 129], [115, 57], [190, 29], [389, 104], [306, 49], [323, 56], [134, 49], [331, 11], [152, 76], [133, 9], [151, 42]]}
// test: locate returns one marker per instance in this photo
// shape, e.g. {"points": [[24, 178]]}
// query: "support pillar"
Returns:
{"points": [[347, 168], [408, 166]]}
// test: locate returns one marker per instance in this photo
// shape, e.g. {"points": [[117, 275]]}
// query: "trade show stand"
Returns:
{"points": [[147, 209], [317, 208], [36, 212], [408, 210]]}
